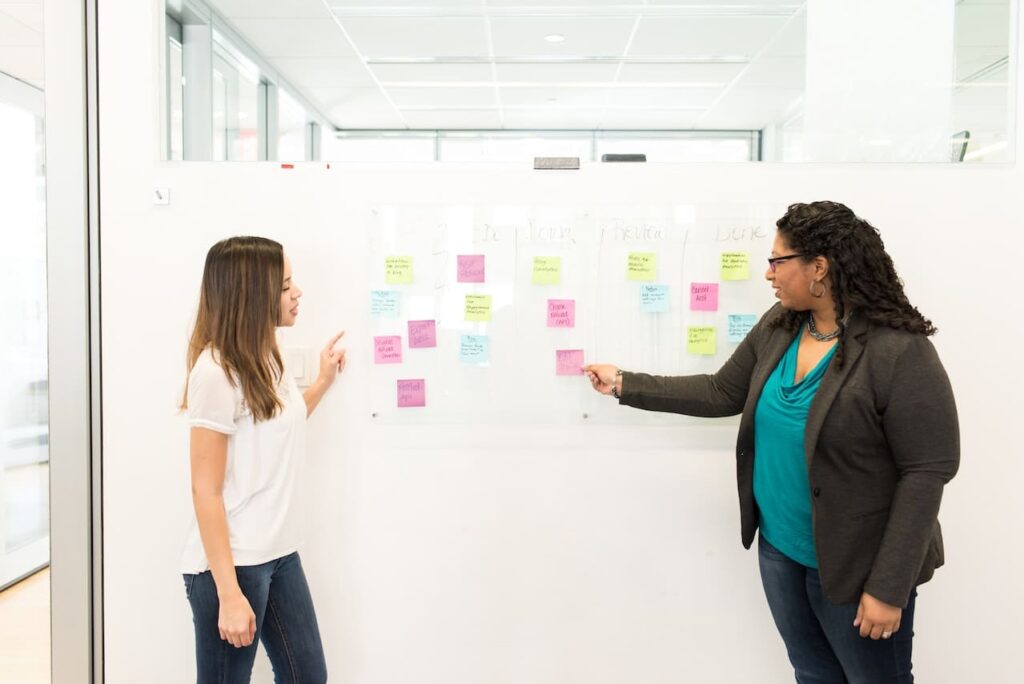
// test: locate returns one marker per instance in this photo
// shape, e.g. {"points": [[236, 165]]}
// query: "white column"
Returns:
{"points": [[879, 80]]}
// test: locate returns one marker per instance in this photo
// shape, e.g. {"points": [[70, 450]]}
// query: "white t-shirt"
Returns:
{"points": [[263, 467]]}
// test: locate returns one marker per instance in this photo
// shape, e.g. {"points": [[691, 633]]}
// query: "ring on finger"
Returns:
{"points": [[886, 634]]}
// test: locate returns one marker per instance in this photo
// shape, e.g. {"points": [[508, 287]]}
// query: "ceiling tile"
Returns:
{"points": [[584, 36], [664, 97], [649, 119], [431, 72], [295, 37], [569, 119], [271, 9], [443, 97], [563, 73], [364, 108], [679, 73], [453, 119], [418, 36], [711, 36], [13, 33], [555, 97], [28, 13], [780, 72], [319, 72]]}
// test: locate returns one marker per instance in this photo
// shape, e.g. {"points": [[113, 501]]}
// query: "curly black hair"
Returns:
{"points": [[861, 272]]}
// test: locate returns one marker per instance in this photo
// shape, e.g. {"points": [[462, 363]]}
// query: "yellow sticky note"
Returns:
{"points": [[701, 340], [547, 270], [642, 266], [478, 308], [735, 266], [398, 270]]}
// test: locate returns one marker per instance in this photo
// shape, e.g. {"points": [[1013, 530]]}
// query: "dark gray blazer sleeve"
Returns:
{"points": [[708, 396], [920, 424]]}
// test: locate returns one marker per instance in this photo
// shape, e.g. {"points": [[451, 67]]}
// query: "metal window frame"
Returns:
{"points": [[73, 301]]}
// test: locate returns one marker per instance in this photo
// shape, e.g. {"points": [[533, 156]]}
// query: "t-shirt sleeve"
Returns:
{"points": [[211, 398]]}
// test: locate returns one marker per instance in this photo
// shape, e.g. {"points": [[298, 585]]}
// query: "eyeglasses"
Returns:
{"points": [[773, 262]]}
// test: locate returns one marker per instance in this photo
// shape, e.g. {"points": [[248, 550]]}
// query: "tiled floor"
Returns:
{"points": [[25, 631]]}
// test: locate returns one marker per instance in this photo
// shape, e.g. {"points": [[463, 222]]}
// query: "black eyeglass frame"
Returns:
{"points": [[773, 262]]}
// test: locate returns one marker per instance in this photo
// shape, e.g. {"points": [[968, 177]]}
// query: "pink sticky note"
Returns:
{"points": [[471, 268], [412, 393], [703, 296], [568, 362], [561, 313], [387, 349], [422, 334]]}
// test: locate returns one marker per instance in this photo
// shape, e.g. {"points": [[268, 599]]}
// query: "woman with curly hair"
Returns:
{"points": [[848, 435]]}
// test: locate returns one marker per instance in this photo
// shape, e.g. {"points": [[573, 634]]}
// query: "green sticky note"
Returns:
{"points": [[735, 266], [701, 340], [547, 270], [398, 270], [478, 308], [642, 266]]}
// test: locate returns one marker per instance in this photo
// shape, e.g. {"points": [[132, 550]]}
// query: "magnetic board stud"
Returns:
{"points": [[586, 415], [373, 415]]}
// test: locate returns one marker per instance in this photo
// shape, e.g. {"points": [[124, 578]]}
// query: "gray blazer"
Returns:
{"points": [[881, 442]]}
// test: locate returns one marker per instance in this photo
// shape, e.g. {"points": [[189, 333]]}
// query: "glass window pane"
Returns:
{"points": [[376, 148], [512, 147], [681, 149], [175, 101], [291, 126]]}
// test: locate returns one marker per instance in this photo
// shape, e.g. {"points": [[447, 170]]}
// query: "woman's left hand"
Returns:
{"points": [[877, 619], [332, 361]]}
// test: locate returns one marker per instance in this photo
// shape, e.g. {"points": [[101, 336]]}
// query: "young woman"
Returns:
{"points": [[247, 418], [848, 435]]}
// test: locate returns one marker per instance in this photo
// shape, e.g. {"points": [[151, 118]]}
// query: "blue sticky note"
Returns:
{"points": [[384, 303], [474, 349], [654, 298], [740, 325]]}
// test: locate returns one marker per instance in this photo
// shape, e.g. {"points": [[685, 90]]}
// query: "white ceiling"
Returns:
{"points": [[645, 64], [21, 40], [484, 64]]}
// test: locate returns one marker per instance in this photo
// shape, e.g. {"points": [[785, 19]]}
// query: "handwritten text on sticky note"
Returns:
{"points": [[704, 296], [653, 298], [642, 266], [701, 340], [547, 270], [561, 313], [398, 270], [740, 325], [412, 393], [568, 362], [478, 308], [384, 303], [474, 349], [471, 268], [735, 266], [387, 349], [422, 334]]}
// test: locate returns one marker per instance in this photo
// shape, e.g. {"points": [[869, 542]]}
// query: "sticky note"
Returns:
{"points": [[547, 270], [561, 313], [412, 393], [740, 325], [735, 266], [422, 334], [387, 349], [653, 298], [642, 266], [474, 349], [478, 308], [398, 270], [568, 362], [704, 296], [471, 268], [384, 303], [701, 340]]}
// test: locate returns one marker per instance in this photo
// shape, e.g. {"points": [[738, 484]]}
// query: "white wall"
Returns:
{"points": [[498, 555]]}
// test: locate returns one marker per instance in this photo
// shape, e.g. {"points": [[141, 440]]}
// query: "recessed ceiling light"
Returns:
{"points": [[554, 38]]}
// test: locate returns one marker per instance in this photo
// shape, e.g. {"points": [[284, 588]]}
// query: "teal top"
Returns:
{"points": [[781, 487]]}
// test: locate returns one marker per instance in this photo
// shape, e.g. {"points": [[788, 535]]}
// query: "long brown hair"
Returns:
{"points": [[239, 307]]}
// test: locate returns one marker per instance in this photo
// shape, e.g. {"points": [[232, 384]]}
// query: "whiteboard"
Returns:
{"points": [[470, 306]]}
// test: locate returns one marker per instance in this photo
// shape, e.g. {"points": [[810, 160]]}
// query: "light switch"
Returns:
{"points": [[296, 362]]}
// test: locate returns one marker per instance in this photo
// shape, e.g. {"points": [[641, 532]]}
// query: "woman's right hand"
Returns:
{"points": [[602, 376], [237, 622]]}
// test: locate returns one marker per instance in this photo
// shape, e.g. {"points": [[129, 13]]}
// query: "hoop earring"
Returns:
{"points": [[817, 295]]}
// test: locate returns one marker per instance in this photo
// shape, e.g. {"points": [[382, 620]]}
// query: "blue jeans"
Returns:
{"points": [[823, 645], [285, 623]]}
